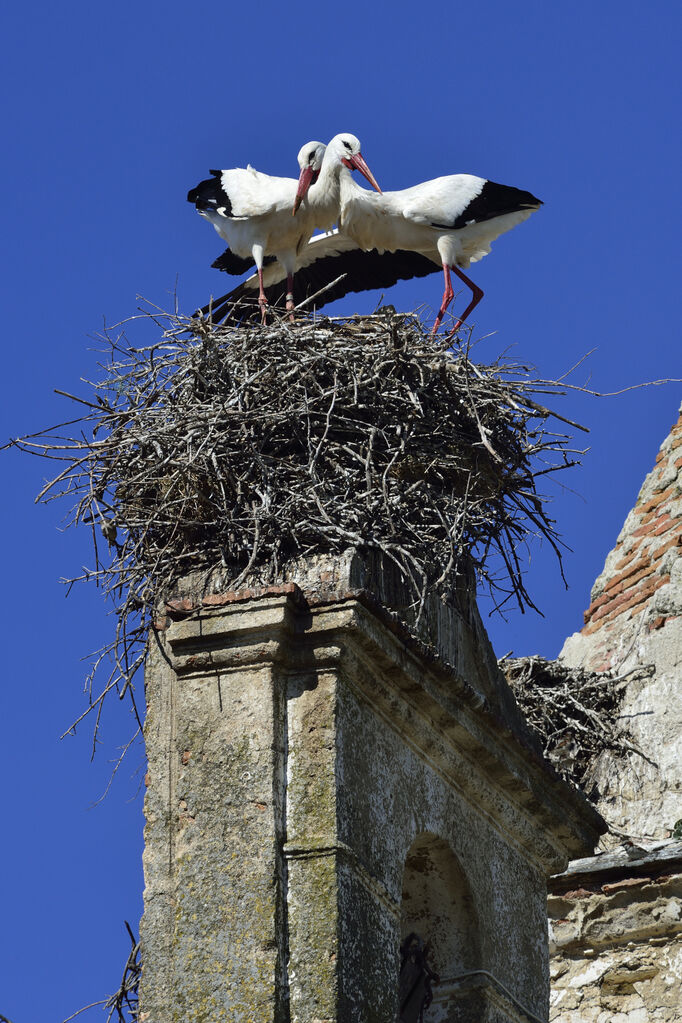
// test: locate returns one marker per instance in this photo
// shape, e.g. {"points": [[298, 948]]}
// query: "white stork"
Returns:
{"points": [[451, 220], [253, 211], [448, 222]]}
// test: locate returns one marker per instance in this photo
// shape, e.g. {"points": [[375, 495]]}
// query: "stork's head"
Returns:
{"points": [[310, 159], [347, 149], [342, 150]]}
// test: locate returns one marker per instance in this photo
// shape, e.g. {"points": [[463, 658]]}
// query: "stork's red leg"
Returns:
{"points": [[477, 296], [448, 296], [290, 295], [289, 292], [262, 299]]}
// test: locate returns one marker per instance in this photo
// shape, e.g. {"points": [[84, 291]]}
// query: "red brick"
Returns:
{"points": [[631, 553], [609, 607], [577, 893], [643, 519], [179, 605], [627, 599], [594, 626], [649, 529], [624, 580], [654, 501], [239, 596], [627, 882], [658, 553], [637, 578], [640, 596], [628, 570], [599, 602], [665, 525]]}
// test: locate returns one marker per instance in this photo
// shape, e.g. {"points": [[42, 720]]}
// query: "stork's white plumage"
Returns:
{"points": [[451, 220], [446, 223], [253, 211]]}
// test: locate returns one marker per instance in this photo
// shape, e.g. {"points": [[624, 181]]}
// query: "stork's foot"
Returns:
{"points": [[290, 307], [452, 333], [263, 304]]}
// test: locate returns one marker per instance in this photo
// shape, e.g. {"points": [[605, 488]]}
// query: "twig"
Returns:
{"points": [[228, 453]]}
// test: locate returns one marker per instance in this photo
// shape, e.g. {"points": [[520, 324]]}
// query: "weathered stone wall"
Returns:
{"points": [[616, 918], [616, 940], [635, 619], [319, 782], [213, 844]]}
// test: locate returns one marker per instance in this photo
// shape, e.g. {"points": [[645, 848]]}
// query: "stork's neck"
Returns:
{"points": [[349, 189], [360, 212], [324, 196]]}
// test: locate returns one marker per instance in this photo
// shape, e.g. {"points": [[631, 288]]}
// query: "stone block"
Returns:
{"points": [[321, 784]]}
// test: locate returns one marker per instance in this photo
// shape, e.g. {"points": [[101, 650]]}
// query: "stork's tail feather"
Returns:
{"points": [[229, 263], [210, 195]]}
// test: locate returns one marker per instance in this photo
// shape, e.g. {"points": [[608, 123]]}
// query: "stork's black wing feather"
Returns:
{"points": [[494, 201], [362, 271], [229, 263], [210, 195]]}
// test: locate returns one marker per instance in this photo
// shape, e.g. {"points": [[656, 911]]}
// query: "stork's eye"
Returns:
{"points": [[347, 145]]}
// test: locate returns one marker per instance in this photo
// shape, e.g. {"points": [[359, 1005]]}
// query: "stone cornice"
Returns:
{"points": [[444, 718]]}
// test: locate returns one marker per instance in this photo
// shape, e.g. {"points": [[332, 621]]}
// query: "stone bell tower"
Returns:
{"points": [[324, 783]]}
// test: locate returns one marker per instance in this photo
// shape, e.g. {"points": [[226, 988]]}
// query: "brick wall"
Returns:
{"points": [[640, 563], [634, 621]]}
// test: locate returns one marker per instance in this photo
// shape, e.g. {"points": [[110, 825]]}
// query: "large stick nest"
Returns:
{"points": [[235, 450], [575, 711]]}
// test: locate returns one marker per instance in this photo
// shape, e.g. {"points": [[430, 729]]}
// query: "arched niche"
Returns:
{"points": [[438, 906]]}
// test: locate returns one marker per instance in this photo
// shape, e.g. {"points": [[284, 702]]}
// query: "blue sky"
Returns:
{"points": [[110, 115]]}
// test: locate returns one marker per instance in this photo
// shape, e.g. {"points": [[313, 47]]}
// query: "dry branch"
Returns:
{"points": [[124, 1002], [575, 712], [231, 451]]}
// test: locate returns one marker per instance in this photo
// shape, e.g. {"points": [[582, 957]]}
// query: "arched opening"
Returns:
{"points": [[437, 905]]}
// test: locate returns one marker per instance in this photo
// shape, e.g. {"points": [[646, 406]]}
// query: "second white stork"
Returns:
{"points": [[451, 220], [253, 211], [446, 223]]}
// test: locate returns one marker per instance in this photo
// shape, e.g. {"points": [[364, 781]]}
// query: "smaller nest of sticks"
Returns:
{"points": [[233, 451], [574, 711]]}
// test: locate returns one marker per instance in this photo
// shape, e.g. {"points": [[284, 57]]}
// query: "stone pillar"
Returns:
{"points": [[320, 784], [215, 934]]}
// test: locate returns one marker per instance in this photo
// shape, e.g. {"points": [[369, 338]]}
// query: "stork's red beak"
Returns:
{"points": [[305, 180], [357, 162]]}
